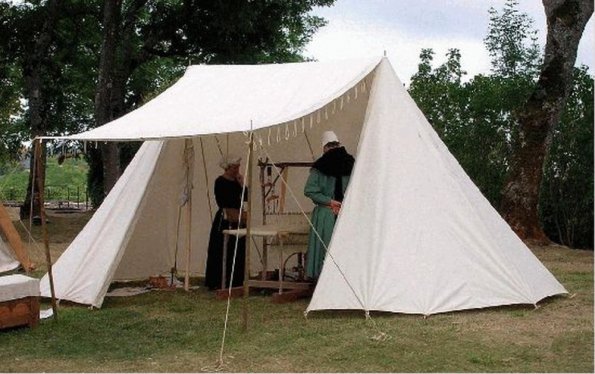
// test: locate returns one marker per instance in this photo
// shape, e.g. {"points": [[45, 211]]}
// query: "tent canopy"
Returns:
{"points": [[414, 235], [216, 99]]}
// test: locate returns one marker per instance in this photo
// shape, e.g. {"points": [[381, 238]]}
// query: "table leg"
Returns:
{"points": [[281, 267], [224, 265]]}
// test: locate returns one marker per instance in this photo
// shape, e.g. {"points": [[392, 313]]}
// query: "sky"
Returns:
{"points": [[366, 28]]}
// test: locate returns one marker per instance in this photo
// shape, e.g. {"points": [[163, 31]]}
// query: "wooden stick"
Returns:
{"points": [[44, 228], [248, 235], [284, 175], [187, 147], [14, 240], [207, 184]]}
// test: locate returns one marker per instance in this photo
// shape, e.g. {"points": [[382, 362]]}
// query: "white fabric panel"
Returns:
{"points": [[84, 271], [211, 99], [7, 259], [17, 286], [415, 235]]}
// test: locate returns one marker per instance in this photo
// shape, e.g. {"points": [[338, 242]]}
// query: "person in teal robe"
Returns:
{"points": [[326, 186]]}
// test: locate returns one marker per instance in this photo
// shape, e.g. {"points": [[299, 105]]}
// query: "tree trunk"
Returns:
{"points": [[105, 100], [34, 76], [566, 20]]}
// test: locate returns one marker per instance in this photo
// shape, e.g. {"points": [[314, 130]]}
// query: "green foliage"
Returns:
{"points": [[157, 40], [477, 122], [567, 188], [472, 118], [512, 42]]}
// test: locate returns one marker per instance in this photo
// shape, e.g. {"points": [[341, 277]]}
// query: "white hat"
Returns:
{"points": [[227, 161], [328, 137]]}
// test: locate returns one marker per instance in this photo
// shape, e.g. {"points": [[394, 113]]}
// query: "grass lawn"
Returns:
{"points": [[165, 331]]}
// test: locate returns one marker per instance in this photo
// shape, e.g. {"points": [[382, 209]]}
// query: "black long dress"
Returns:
{"points": [[228, 194]]}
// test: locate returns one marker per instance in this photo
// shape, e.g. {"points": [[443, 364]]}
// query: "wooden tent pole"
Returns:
{"points": [[248, 232], [14, 240], [46, 242], [187, 147]]}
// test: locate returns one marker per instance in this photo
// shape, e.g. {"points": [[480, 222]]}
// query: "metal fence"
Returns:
{"points": [[59, 196]]}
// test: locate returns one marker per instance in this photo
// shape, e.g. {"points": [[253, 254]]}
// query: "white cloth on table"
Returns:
{"points": [[18, 286]]}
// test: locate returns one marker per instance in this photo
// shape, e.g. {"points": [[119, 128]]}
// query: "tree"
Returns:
{"points": [[108, 101], [520, 196], [476, 121], [138, 33], [35, 65], [47, 46], [512, 42], [566, 201]]}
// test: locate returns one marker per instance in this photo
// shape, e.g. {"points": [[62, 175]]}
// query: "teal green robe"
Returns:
{"points": [[320, 189]]}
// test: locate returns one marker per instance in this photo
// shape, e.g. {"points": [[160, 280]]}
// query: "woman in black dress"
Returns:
{"points": [[228, 194]]}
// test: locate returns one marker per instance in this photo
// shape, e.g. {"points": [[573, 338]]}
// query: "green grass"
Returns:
{"points": [[179, 331], [165, 331]]}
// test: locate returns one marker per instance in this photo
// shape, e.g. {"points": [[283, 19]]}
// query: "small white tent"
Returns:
{"points": [[415, 235]]}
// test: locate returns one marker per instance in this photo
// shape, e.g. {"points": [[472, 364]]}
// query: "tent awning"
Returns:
{"points": [[208, 99]]}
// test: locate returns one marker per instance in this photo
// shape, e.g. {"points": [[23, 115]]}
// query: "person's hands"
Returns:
{"points": [[335, 206]]}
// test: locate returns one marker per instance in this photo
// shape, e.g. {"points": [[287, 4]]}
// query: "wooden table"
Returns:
{"points": [[278, 233]]}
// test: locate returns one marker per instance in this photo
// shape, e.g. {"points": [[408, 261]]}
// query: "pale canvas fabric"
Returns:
{"points": [[7, 260], [17, 286], [415, 235], [211, 99]]}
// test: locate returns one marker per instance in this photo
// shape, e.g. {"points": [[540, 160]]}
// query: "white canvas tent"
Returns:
{"points": [[414, 236]]}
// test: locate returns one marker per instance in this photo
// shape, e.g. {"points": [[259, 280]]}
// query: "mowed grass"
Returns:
{"points": [[165, 331]]}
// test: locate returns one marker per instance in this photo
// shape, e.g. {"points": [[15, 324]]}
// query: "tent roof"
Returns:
{"points": [[212, 99]]}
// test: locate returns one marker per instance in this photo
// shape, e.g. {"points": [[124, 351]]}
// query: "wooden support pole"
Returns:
{"points": [[14, 240], [248, 233], [187, 155], [46, 242]]}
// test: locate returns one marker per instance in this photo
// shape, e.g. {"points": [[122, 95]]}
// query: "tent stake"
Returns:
{"points": [[44, 228]]}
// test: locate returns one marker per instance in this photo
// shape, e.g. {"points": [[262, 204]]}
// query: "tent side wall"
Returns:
{"points": [[84, 271], [415, 235]]}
